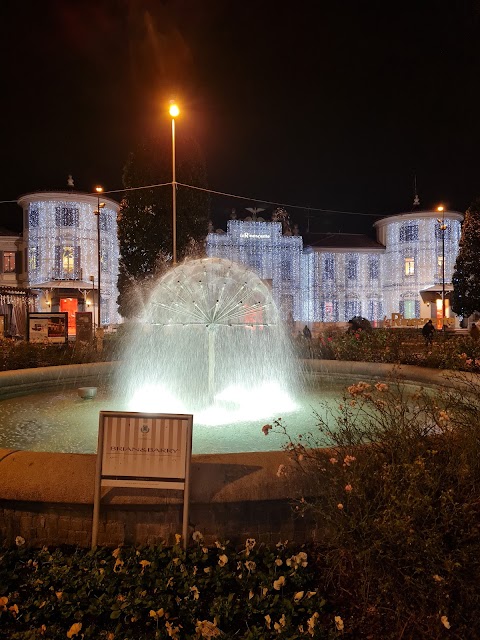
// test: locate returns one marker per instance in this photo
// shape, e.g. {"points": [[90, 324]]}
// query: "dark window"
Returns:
{"points": [[328, 269], [33, 217], [409, 233], [286, 269], [105, 220], [373, 268], [352, 268], [439, 231], [352, 308], [66, 216]]}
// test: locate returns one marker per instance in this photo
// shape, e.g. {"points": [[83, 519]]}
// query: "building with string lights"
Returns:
{"points": [[406, 271], [60, 248]]}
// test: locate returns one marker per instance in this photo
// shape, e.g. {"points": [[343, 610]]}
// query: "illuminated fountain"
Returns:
{"points": [[210, 342]]}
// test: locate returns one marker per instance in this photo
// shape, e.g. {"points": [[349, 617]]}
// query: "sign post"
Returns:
{"points": [[143, 450]]}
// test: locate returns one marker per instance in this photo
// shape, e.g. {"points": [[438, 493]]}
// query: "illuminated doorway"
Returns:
{"points": [[70, 305]]}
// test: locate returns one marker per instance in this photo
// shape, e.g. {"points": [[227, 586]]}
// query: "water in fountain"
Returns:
{"points": [[210, 342]]}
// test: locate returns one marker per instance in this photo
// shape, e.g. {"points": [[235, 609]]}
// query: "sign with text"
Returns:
{"points": [[143, 450], [140, 446], [47, 327]]}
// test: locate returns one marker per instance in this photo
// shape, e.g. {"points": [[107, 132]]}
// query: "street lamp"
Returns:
{"points": [[100, 206], [174, 112], [443, 226]]}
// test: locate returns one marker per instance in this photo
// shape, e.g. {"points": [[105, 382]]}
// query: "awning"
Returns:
{"points": [[63, 284], [430, 294]]}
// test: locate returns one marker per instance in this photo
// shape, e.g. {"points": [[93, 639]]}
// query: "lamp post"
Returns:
{"points": [[174, 112], [100, 206], [443, 226]]}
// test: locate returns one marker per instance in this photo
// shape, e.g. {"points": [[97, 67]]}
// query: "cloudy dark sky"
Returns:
{"points": [[332, 105]]}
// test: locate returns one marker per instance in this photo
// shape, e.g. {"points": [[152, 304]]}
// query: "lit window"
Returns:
{"points": [[33, 258], [68, 262], [9, 262], [409, 266], [409, 233]]}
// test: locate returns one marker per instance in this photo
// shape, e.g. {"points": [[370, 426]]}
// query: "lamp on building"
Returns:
{"points": [[100, 206], [174, 112], [443, 226]]}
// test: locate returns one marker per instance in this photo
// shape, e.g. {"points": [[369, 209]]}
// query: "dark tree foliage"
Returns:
{"points": [[145, 221], [466, 275]]}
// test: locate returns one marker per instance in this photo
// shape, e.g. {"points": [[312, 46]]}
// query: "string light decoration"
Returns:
{"points": [[411, 261], [60, 237], [321, 285]]}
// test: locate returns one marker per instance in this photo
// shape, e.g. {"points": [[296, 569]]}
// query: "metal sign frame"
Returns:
{"points": [[143, 450]]}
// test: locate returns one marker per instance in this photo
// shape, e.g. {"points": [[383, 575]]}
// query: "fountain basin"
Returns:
{"points": [[47, 497]]}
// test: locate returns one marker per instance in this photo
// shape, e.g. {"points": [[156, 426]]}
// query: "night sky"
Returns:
{"points": [[327, 105]]}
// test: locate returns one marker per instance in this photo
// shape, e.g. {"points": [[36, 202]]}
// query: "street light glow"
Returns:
{"points": [[440, 208], [174, 111], [99, 189]]}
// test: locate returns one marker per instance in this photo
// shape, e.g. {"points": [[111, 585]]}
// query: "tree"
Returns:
{"points": [[145, 220], [466, 275]]}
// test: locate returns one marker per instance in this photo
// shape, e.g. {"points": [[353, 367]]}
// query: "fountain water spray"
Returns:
{"points": [[210, 342]]}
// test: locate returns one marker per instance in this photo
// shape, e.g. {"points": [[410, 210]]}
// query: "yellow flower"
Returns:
{"points": [[311, 623], [178, 538], [13, 609], [207, 629], [250, 565], [250, 594], [19, 541], [445, 622], [279, 562], [74, 629], [339, 623], [268, 621], [311, 594], [197, 536], [298, 596], [116, 552], [3, 603], [59, 594], [437, 578], [156, 614], [196, 592], [278, 584], [145, 563], [110, 636], [222, 560], [117, 567], [340, 506]]}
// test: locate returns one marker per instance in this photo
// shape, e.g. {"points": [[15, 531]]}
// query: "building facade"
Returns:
{"points": [[60, 251], [407, 270]]}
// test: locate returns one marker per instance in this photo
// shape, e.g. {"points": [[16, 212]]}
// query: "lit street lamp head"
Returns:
{"points": [[174, 111], [99, 189]]}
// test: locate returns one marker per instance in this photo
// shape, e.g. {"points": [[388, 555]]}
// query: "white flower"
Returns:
{"points": [[197, 536], [281, 471], [19, 541]]}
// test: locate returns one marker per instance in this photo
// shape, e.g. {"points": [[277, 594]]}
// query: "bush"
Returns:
{"points": [[399, 492], [256, 592], [24, 355]]}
